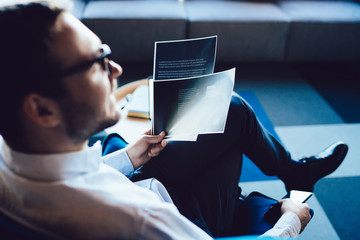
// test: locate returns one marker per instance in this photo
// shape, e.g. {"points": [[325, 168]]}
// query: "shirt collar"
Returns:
{"points": [[52, 167]]}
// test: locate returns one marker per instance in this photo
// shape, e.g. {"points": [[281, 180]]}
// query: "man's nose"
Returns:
{"points": [[116, 70]]}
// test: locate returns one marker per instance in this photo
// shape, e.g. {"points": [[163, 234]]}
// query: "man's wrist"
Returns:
{"points": [[131, 158]]}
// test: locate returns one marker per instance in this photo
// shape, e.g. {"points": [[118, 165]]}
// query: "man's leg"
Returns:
{"points": [[244, 131], [210, 201]]}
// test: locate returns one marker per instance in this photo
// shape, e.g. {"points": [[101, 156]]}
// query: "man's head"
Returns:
{"points": [[55, 76]]}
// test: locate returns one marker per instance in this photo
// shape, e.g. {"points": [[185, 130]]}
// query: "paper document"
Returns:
{"points": [[186, 97]]}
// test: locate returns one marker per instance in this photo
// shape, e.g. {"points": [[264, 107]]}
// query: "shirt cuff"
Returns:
{"points": [[120, 161], [288, 226]]}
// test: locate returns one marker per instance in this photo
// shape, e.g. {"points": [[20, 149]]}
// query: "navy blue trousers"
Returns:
{"points": [[202, 177]]}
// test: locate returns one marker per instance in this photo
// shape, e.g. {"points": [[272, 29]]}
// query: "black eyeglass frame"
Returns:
{"points": [[103, 60]]}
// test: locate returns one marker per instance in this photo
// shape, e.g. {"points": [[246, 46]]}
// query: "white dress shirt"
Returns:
{"points": [[86, 196]]}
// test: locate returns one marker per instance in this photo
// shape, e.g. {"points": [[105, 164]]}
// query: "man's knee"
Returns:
{"points": [[239, 111]]}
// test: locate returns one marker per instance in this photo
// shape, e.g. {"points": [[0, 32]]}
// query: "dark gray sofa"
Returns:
{"points": [[248, 31]]}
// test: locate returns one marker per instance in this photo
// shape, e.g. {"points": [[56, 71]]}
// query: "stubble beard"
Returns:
{"points": [[82, 122]]}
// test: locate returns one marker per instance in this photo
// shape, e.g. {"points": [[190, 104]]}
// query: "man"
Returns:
{"points": [[57, 83]]}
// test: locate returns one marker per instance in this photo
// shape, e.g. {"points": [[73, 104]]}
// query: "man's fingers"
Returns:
{"points": [[155, 139], [157, 148], [154, 153]]}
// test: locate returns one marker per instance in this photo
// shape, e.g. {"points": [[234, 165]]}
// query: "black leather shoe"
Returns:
{"points": [[317, 167]]}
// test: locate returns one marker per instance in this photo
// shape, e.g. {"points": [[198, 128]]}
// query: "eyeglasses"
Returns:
{"points": [[103, 60]]}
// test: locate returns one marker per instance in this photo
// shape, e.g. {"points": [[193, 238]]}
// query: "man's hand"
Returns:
{"points": [[302, 210], [146, 147]]}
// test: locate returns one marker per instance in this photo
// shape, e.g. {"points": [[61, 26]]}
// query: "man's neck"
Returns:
{"points": [[48, 143]]}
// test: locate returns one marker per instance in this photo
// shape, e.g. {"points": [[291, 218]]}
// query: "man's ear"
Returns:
{"points": [[41, 110]]}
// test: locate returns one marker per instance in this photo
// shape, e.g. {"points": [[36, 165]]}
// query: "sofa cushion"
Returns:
{"points": [[248, 31], [322, 30], [132, 27]]}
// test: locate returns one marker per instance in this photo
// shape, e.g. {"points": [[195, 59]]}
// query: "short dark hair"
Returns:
{"points": [[25, 62]]}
